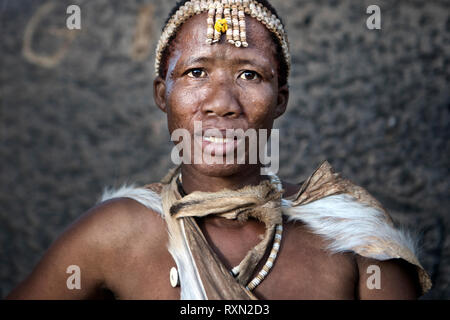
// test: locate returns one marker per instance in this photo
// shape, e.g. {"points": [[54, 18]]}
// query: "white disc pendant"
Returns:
{"points": [[174, 280]]}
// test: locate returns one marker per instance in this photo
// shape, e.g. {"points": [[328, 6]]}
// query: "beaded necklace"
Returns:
{"points": [[273, 253]]}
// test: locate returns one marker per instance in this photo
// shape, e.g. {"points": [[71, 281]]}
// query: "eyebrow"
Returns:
{"points": [[194, 60], [203, 59]]}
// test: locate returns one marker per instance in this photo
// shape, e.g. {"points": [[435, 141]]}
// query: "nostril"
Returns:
{"points": [[228, 114]]}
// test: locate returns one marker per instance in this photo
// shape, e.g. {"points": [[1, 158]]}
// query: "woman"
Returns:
{"points": [[220, 229]]}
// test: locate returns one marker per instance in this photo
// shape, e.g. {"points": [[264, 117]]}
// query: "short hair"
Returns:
{"points": [[282, 65]]}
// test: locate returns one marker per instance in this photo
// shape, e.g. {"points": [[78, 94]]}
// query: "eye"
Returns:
{"points": [[249, 75], [196, 73]]}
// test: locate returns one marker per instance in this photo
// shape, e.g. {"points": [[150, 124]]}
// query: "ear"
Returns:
{"points": [[159, 93], [282, 101]]}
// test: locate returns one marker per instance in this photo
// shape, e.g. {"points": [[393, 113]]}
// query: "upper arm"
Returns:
{"points": [[84, 244], [393, 279]]}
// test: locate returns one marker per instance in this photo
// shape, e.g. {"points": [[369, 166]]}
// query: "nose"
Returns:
{"points": [[222, 102]]}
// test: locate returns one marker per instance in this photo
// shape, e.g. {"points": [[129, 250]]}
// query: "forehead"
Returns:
{"points": [[191, 40]]}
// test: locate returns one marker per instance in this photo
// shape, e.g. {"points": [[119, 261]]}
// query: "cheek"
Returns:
{"points": [[183, 105], [259, 103]]}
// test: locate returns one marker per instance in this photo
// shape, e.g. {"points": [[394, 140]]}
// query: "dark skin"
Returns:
{"points": [[121, 246]]}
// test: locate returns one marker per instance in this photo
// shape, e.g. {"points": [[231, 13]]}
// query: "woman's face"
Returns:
{"points": [[220, 85]]}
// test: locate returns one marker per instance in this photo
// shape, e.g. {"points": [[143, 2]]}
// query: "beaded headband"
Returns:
{"points": [[225, 16]]}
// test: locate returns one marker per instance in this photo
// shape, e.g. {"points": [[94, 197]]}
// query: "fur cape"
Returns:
{"points": [[332, 207]]}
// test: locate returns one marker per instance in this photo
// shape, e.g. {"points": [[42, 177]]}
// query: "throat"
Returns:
{"points": [[231, 239], [217, 222], [193, 180]]}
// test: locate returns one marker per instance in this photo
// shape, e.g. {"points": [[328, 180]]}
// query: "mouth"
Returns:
{"points": [[219, 140], [218, 144]]}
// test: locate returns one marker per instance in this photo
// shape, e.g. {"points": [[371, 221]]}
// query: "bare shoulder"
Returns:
{"points": [[389, 279], [97, 242], [121, 220], [113, 225]]}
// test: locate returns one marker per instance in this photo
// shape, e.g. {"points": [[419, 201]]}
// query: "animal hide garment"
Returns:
{"points": [[345, 215]]}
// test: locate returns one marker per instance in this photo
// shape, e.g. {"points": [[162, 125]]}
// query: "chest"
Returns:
{"points": [[305, 271], [302, 270]]}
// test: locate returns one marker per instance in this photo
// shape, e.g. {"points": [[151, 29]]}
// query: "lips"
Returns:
{"points": [[219, 140], [218, 146], [215, 132], [214, 141]]}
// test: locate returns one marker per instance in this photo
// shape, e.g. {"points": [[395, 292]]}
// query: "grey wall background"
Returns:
{"points": [[375, 103]]}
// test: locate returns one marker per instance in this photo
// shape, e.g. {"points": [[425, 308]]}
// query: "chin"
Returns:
{"points": [[221, 170]]}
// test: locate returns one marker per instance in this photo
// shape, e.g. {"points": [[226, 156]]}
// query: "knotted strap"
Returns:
{"points": [[262, 202]]}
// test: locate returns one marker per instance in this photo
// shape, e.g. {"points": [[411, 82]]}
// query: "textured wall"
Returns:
{"points": [[77, 113]]}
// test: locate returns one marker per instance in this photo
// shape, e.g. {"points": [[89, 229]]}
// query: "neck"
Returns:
{"points": [[193, 180]]}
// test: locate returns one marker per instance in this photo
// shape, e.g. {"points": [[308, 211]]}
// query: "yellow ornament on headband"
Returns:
{"points": [[221, 25], [224, 16]]}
